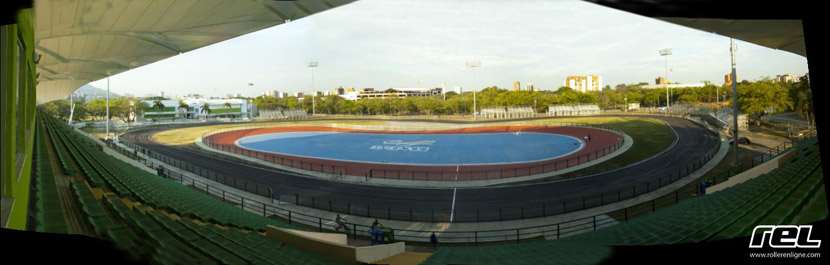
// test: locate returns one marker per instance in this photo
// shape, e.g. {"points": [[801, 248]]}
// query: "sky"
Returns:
{"points": [[426, 43]]}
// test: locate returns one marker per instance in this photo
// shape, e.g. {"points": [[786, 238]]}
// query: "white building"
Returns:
{"points": [[584, 83], [402, 92], [787, 78], [272, 93], [232, 107], [160, 109]]}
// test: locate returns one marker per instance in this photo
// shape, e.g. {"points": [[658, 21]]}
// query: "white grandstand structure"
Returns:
{"points": [[296, 114], [573, 110], [507, 113]]}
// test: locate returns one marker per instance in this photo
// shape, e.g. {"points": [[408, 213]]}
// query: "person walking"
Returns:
{"points": [[434, 240]]}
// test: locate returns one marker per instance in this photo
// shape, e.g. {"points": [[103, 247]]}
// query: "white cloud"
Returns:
{"points": [[388, 43]]}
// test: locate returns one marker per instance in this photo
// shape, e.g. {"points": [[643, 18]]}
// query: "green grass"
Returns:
{"points": [[225, 110], [151, 109], [163, 115], [650, 137]]}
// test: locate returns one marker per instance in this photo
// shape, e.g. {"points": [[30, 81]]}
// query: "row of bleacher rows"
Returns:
{"points": [[48, 213], [126, 180], [282, 114], [148, 232], [162, 221], [778, 197], [507, 113]]}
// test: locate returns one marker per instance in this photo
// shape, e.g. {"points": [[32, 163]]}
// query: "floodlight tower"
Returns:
{"points": [[473, 65], [107, 135], [732, 49], [665, 53], [312, 65]]}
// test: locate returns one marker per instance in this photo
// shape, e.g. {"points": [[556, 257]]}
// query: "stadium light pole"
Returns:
{"points": [[107, 135], [312, 65], [472, 65], [71, 107], [665, 53], [732, 49]]}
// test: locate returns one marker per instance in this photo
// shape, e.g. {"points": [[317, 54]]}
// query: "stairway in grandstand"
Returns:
{"points": [[153, 218], [791, 194]]}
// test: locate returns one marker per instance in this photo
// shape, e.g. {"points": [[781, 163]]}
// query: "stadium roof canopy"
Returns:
{"points": [[85, 40], [776, 26]]}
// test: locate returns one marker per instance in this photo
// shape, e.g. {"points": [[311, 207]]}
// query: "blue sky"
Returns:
{"points": [[425, 43]]}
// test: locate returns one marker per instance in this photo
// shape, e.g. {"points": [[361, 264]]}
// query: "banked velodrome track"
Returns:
{"points": [[466, 204]]}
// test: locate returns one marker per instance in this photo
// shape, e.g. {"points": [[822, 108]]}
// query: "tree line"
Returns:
{"points": [[755, 98]]}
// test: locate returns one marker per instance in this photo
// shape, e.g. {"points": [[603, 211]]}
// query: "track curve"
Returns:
{"points": [[469, 204]]}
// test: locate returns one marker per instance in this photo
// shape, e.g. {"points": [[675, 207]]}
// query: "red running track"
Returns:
{"points": [[602, 143]]}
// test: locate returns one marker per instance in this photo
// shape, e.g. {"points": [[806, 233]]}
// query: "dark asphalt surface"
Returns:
{"points": [[470, 204]]}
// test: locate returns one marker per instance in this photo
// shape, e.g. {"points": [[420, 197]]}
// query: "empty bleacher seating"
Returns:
{"points": [[159, 220], [778, 197]]}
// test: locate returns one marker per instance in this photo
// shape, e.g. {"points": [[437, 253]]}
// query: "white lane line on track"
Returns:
{"points": [[452, 209], [454, 190]]}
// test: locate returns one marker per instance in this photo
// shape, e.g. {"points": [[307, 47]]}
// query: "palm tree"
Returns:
{"points": [[158, 105], [206, 109], [186, 107]]}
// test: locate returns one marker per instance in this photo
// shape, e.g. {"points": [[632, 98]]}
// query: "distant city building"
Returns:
{"points": [[299, 94], [661, 80], [584, 83], [517, 86], [530, 87], [787, 78], [392, 93], [271, 93], [727, 79]]}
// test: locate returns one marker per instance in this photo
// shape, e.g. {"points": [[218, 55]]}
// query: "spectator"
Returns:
{"points": [[434, 240], [376, 234], [340, 223]]}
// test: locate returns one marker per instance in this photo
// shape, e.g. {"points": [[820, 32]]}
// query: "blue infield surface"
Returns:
{"points": [[417, 149]]}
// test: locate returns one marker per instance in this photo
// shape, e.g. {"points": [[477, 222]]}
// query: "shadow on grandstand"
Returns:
{"points": [[63, 248]]}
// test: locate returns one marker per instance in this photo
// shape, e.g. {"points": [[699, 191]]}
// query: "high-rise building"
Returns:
{"points": [[584, 83], [530, 87], [727, 79], [271, 93], [517, 86], [661, 81]]}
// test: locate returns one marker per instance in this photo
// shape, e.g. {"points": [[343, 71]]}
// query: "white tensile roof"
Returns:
{"points": [[85, 40]]}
